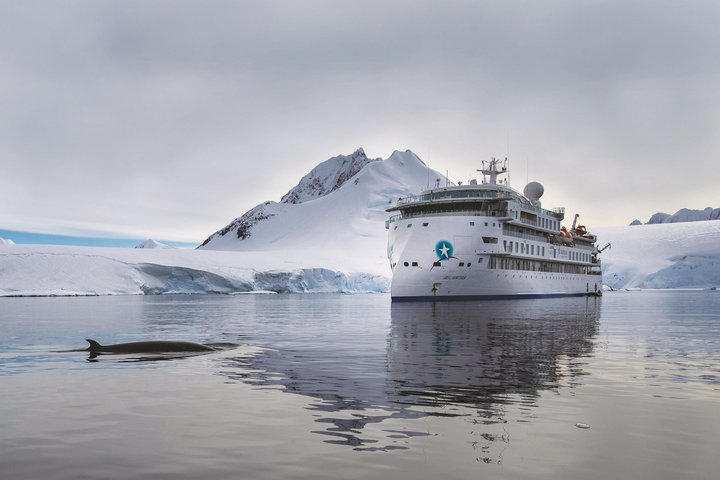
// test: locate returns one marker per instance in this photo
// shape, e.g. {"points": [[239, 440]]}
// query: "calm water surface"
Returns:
{"points": [[354, 387]]}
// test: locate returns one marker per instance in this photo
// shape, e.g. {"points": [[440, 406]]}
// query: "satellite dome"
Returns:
{"points": [[533, 191]]}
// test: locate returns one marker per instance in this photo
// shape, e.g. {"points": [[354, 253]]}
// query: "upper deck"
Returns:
{"points": [[469, 196], [490, 198], [456, 194]]}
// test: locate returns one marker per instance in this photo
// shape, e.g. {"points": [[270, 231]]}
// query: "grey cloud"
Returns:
{"points": [[197, 111]]}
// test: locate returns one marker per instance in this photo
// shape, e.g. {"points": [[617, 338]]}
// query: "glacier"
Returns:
{"points": [[49, 270], [327, 235], [665, 255]]}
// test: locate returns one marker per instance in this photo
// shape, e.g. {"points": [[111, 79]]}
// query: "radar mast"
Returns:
{"points": [[493, 170]]}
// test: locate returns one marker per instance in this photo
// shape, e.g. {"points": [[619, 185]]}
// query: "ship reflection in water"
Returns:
{"points": [[453, 359], [477, 353]]}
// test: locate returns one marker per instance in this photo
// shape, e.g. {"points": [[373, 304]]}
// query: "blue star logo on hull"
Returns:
{"points": [[443, 249]]}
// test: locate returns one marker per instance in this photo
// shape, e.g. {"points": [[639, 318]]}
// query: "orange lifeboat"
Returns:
{"points": [[565, 236], [581, 230]]}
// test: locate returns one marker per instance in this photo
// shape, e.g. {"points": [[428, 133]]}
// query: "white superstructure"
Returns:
{"points": [[487, 241]]}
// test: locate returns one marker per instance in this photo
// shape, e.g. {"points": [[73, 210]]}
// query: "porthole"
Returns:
{"points": [[406, 264]]}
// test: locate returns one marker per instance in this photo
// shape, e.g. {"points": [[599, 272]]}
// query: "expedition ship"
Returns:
{"points": [[488, 241]]}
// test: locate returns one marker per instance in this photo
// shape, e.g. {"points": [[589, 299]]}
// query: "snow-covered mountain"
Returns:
{"points": [[337, 211], [150, 243], [4, 241], [682, 215]]}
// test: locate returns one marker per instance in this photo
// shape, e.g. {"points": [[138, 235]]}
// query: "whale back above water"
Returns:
{"points": [[155, 346]]}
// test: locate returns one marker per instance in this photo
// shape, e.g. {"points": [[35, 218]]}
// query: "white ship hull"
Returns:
{"points": [[472, 268], [455, 284]]}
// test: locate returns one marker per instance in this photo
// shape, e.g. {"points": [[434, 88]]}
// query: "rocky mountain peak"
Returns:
{"points": [[327, 177]]}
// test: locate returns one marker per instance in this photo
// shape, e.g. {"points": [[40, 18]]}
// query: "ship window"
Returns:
{"points": [[490, 239], [406, 264], [425, 224], [409, 225], [472, 224], [486, 224], [469, 264], [436, 264], [532, 249], [395, 227], [414, 264]]}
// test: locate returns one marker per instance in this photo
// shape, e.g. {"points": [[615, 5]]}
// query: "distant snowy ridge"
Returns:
{"points": [[4, 241], [682, 215], [150, 243]]}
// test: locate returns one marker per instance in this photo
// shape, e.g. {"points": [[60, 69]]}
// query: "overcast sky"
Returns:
{"points": [[168, 119]]}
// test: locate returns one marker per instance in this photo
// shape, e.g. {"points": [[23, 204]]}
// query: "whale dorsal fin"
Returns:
{"points": [[94, 346]]}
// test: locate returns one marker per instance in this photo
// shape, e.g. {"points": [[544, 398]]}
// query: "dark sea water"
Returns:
{"points": [[351, 386]]}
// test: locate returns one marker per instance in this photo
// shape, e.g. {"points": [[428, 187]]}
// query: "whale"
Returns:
{"points": [[154, 346]]}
